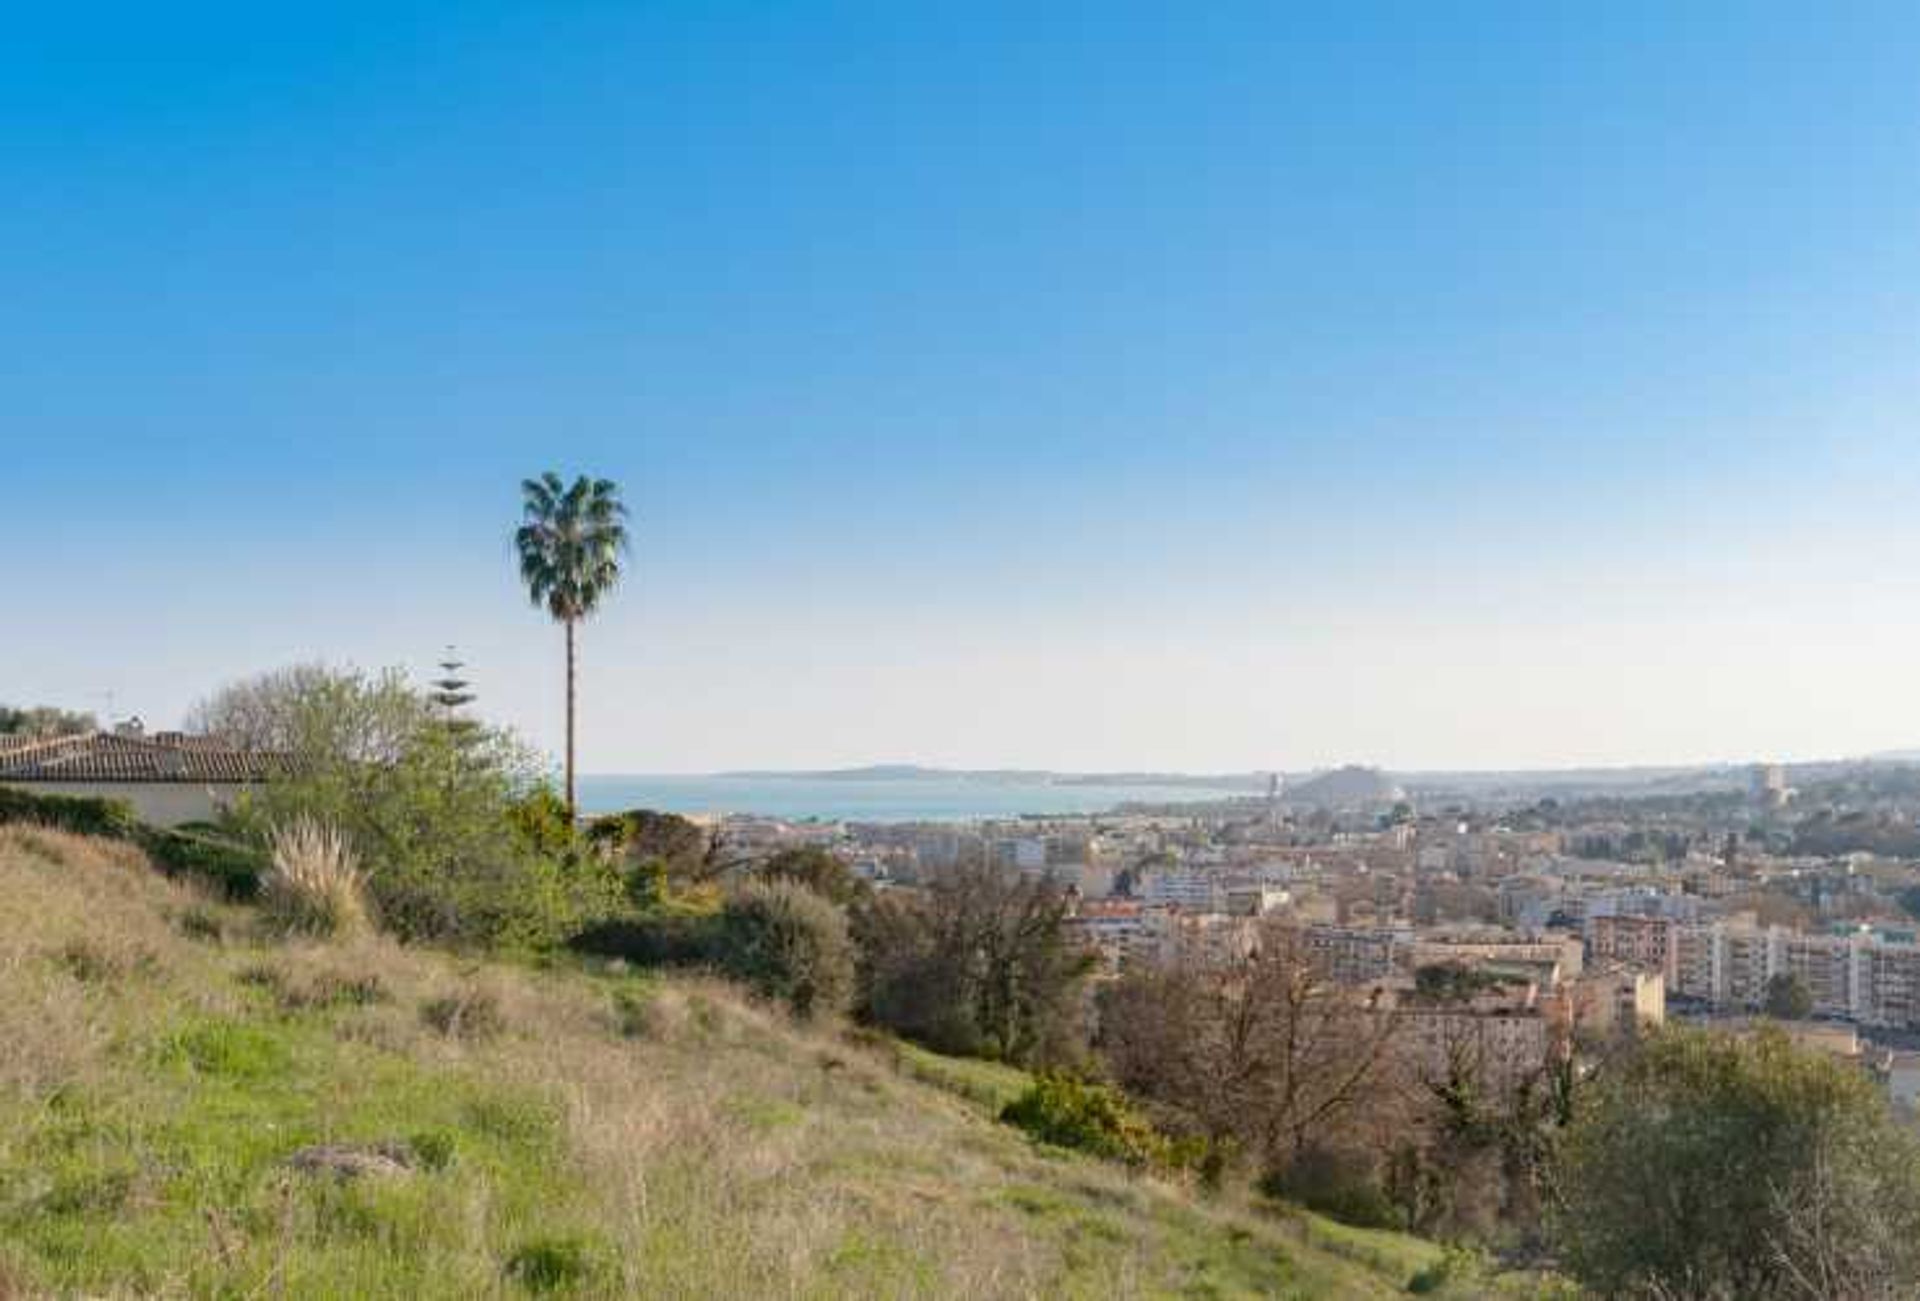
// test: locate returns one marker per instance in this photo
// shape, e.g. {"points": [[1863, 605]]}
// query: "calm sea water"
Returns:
{"points": [[919, 799]]}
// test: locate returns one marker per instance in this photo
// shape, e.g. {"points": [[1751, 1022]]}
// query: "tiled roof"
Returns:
{"points": [[110, 757]]}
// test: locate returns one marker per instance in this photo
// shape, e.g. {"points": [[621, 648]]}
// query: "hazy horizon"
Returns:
{"points": [[1203, 392]]}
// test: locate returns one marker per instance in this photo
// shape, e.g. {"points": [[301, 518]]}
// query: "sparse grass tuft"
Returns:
{"points": [[319, 990], [200, 922], [470, 1013], [315, 886], [97, 960], [550, 1265]]}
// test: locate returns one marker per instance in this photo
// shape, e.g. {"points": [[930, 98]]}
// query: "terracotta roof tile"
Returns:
{"points": [[108, 757]]}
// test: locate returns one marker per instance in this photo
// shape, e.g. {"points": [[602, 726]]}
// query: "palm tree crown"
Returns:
{"points": [[570, 543]]}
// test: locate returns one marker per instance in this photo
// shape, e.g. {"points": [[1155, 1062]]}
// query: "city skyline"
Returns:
{"points": [[991, 389]]}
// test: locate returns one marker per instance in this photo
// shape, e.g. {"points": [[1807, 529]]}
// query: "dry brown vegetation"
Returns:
{"points": [[609, 1134]]}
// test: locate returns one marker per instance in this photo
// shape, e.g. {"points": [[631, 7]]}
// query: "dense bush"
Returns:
{"points": [[978, 964], [1067, 1111], [824, 873], [654, 939], [788, 943], [781, 939], [82, 814], [228, 866], [447, 822], [638, 836], [542, 822], [1708, 1167], [1343, 1185]]}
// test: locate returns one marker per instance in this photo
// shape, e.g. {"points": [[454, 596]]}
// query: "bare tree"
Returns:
{"points": [[1264, 1053]]}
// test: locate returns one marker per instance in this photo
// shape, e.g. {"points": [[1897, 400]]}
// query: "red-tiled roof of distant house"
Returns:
{"points": [[114, 757]]}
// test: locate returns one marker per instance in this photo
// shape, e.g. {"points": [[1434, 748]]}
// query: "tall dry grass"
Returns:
{"points": [[315, 886]]}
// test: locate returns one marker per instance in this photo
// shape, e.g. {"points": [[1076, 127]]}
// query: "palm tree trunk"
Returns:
{"points": [[572, 808]]}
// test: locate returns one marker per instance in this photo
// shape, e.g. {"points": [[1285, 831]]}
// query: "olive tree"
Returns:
{"points": [[1705, 1167]]}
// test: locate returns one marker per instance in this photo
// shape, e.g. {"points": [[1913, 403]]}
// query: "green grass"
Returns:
{"points": [[992, 1085], [171, 1172], [614, 1137]]}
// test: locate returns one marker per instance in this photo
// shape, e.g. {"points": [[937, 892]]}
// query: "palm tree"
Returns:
{"points": [[570, 544]]}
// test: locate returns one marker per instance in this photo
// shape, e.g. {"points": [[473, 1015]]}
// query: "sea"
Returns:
{"points": [[925, 798]]}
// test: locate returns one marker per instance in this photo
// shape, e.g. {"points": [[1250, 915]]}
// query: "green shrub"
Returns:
{"points": [[434, 1149], [1343, 1186], [788, 943], [655, 939], [555, 1264], [84, 815], [636, 1014], [1067, 1111], [1456, 1264], [1746, 1161], [227, 866], [452, 849], [542, 821]]}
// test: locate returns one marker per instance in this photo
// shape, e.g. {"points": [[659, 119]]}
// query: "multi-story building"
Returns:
{"points": [[1024, 853], [1198, 890], [1646, 943], [1616, 998], [1355, 955], [1502, 1038], [1856, 976], [1119, 931]]}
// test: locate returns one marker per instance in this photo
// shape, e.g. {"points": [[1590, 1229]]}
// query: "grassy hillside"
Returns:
{"points": [[555, 1131]]}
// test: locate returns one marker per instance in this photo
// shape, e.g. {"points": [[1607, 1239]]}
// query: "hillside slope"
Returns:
{"points": [[167, 1071]]}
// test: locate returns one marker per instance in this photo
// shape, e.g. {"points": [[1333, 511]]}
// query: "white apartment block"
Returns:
{"points": [[1858, 977], [1199, 891]]}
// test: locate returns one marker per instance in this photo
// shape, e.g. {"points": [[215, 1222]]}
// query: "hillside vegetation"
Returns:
{"points": [[189, 1107]]}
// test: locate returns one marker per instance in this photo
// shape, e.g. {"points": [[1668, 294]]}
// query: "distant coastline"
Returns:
{"points": [[902, 792], [892, 794], [1031, 776]]}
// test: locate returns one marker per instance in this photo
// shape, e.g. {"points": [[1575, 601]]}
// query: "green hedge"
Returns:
{"points": [[232, 868], [228, 866], [84, 815]]}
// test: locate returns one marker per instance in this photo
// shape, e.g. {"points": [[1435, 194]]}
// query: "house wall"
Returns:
{"points": [[163, 804]]}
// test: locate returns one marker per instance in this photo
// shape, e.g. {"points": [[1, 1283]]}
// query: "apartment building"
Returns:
{"points": [[1646, 943], [1355, 955], [1858, 976]]}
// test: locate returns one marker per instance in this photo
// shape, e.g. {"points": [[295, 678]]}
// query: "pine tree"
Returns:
{"points": [[451, 691]]}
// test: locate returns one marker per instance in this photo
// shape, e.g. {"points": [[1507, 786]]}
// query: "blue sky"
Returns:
{"points": [[1117, 385]]}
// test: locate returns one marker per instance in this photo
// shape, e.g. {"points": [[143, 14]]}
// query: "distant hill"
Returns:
{"points": [[1346, 788]]}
